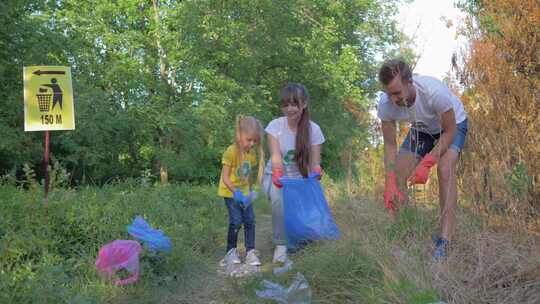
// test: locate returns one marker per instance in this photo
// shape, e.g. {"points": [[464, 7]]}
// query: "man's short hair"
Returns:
{"points": [[392, 68]]}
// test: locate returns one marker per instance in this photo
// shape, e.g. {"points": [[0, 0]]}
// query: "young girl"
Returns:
{"points": [[235, 186], [295, 147]]}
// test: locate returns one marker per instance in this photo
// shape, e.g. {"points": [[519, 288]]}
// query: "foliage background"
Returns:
{"points": [[157, 86], [158, 83]]}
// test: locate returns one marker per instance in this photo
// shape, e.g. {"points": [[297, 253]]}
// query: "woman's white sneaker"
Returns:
{"points": [[280, 254]]}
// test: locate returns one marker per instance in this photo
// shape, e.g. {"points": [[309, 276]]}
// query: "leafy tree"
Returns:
{"points": [[158, 83]]}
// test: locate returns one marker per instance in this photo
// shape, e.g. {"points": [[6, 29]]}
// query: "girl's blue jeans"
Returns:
{"points": [[237, 217]]}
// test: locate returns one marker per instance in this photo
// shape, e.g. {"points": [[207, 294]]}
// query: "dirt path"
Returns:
{"points": [[263, 238], [215, 287]]}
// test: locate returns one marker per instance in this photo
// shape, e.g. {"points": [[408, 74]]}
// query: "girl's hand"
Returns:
{"points": [[277, 173], [317, 170], [249, 199], [238, 196]]}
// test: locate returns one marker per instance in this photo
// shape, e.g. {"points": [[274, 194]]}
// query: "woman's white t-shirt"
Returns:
{"points": [[279, 129]]}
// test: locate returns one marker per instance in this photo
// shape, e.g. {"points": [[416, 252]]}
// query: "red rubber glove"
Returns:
{"points": [[421, 173], [277, 173], [318, 170], [391, 191]]}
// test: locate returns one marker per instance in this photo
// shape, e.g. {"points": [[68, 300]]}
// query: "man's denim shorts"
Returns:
{"points": [[422, 143]]}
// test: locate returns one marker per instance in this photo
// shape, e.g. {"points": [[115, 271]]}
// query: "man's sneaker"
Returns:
{"points": [[280, 254], [230, 258], [440, 252], [252, 259]]}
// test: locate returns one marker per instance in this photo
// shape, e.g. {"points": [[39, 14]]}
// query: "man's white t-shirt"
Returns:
{"points": [[433, 98], [279, 129]]}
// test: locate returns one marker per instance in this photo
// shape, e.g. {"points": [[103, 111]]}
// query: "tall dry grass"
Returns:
{"points": [[488, 263], [501, 73]]}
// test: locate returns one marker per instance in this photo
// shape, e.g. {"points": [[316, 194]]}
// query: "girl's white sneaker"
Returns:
{"points": [[230, 258], [252, 259]]}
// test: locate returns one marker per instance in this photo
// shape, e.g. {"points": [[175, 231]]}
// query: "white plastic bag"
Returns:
{"points": [[298, 293]]}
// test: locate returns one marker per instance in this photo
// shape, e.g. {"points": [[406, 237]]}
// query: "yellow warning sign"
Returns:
{"points": [[48, 98]]}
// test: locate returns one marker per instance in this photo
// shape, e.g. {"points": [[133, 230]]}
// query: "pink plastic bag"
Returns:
{"points": [[117, 255]]}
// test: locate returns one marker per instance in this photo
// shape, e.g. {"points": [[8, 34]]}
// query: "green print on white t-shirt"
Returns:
{"points": [[289, 158]]}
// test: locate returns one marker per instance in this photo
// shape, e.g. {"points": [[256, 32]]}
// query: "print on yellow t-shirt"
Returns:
{"points": [[239, 173]]}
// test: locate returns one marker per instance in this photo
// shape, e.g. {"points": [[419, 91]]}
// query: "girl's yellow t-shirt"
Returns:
{"points": [[239, 174]]}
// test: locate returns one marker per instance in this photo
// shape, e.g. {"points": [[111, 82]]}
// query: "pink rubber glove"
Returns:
{"points": [[277, 173], [318, 170], [421, 173], [391, 191]]}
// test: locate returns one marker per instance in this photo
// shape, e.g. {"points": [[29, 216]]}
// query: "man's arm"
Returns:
{"points": [[390, 148], [449, 128]]}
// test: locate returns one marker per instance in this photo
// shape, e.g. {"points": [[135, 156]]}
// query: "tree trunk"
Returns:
{"points": [[163, 68]]}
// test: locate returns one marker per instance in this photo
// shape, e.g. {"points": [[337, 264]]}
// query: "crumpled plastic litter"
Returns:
{"points": [[154, 239], [298, 293], [242, 270], [288, 265], [118, 255]]}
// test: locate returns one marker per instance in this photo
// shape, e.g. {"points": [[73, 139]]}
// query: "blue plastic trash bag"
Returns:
{"points": [[306, 212], [154, 239]]}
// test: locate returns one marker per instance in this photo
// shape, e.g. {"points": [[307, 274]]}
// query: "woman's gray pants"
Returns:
{"points": [[276, 197]]}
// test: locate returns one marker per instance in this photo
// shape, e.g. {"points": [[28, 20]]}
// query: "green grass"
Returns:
{"points": [[377, 260], [339, 272], [54, 262], [361, 267]]}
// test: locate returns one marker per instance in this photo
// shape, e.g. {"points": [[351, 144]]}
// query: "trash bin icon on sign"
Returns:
{"points": [[44, 100], [44, 97]]}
